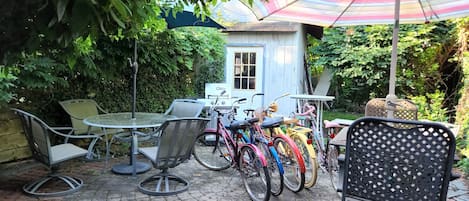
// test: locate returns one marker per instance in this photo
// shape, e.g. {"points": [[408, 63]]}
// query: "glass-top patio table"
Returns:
{"points": [[124, 120]]}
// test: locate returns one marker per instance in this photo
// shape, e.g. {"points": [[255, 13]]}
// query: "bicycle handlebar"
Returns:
{"points": [[283, 95], [273, 106], [233, 104], [254, 95]]}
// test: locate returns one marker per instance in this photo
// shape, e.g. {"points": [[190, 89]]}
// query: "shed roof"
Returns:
{"points": [[273, 26]]}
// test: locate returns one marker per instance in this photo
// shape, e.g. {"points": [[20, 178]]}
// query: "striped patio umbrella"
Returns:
{"points": [[330, 13]]}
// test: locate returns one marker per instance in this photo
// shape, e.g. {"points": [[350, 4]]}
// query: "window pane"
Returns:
{"points": [[252, 71], [245, 57], [236, 83], [237, 70], [252, 59], [244, 84], [252, 83], [237, 58], [245, 70]]}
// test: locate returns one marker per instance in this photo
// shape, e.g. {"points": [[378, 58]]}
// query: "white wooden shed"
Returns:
{"points": [[268, 57]]}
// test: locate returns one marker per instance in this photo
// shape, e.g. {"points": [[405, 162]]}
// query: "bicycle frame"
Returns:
{"points": [[260, 137], [232, 140], [318, 138]]}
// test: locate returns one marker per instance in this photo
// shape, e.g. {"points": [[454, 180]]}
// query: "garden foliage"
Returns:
{"points": [[172, 64], [360, 56]]}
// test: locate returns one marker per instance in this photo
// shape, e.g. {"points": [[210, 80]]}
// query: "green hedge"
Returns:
{"points": [[172, 64]]}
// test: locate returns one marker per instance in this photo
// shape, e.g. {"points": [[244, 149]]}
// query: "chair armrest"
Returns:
{"points": [[55, 130], [61, 128], [101, 109], [70, 134]]}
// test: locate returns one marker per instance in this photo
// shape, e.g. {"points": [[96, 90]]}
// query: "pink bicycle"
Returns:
{"points": [[219, 148]]}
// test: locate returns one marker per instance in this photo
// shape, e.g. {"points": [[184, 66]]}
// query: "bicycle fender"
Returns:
{"points": [[259, 153], [296, 152], [304, 140], [277, 159], [301, 129]]}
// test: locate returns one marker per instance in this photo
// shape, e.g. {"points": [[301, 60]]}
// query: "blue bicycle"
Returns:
{"points": [[255, 135]]}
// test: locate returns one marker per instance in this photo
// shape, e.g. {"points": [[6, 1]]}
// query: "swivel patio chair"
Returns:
{"points": [[37, 134], [174, 146], [185, 108], [385, 162], [79, 109]]}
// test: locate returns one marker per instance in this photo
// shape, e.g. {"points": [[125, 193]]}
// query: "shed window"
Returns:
{"points": [[244, 70]]}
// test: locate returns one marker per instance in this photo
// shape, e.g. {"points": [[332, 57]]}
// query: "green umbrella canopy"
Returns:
{"points": [[188, 18]]}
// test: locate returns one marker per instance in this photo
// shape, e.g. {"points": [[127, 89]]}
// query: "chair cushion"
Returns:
{"points": [[64, 152], [149, 152]]}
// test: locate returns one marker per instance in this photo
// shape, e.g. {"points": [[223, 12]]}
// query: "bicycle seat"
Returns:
{"points": [[272, 122], [331, 124], [253, 120], [240, 124]]}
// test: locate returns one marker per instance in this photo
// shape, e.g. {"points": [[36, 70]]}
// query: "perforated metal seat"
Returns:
{"points": [[385, 162], [37, 134], [172, 147]]}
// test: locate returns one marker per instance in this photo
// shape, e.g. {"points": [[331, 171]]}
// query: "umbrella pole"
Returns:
{"points": [[134, 66], [391, 97], [133, 144]]}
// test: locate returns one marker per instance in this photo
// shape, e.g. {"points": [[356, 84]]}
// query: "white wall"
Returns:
{"points": [[283, 63]]}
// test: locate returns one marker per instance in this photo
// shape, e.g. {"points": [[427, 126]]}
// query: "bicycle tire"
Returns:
{"points": [[309, 157], [211, 154], [254, 174], [333, 166], [275, 168], [292, 162]]}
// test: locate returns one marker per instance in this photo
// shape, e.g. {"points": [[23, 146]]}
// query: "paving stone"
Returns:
{"points": [[206, 185]]}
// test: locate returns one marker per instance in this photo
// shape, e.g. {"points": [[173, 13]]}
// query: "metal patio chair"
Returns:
{"points": [[173, 147], [185, 108], [385, 162], [37, 134], [79, 109]]}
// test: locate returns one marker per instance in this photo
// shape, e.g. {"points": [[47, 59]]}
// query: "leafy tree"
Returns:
{"points": [[57, 34], [28, 22], [167, 70], [360, 57]]}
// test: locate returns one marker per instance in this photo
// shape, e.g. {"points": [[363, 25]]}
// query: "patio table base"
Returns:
{"points": [[127, 169]]}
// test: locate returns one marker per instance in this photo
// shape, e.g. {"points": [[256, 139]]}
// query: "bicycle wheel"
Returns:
{"points": [[211, 153], [255, 176], [309, 157], [275, 170], [293, 177], [333, 166]]}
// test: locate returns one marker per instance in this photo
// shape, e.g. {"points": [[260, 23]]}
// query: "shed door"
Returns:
{"points": [[244, 74]]}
